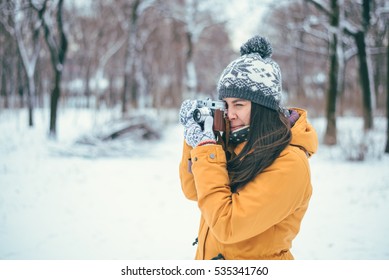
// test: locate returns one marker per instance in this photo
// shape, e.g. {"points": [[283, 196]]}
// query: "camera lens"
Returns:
{"points": [[200, 114], [197, 115]]}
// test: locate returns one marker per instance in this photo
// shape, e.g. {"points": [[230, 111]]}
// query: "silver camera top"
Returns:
{"points": [[212, 104]]}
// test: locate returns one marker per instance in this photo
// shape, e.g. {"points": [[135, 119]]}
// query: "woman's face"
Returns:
{"points": [[238, 112]]}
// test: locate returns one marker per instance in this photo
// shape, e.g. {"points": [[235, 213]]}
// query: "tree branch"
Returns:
{"points": [[320, 6]]}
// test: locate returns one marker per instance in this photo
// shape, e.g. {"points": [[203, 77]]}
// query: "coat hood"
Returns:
{"points": [[303, 133]]}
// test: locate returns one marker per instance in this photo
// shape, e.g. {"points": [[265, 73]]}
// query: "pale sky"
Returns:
{"points": [[245, 17]]}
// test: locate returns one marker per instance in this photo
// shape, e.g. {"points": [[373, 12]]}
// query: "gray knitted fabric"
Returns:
{"points": [[253, 76]]}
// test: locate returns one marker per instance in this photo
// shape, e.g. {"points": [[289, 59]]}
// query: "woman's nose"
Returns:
{"points": [[231, 115]]}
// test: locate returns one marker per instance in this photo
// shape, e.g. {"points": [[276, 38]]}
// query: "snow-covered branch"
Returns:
{"points": [[316, 50], [7, 10], [307, 26], [349, 28], [144, 5], [321, 6]]}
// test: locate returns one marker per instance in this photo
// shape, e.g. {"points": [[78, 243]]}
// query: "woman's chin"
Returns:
{"points": [[238, 128]]}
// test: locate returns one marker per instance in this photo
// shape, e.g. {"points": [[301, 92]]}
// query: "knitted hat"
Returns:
{"points": [[253, 76]]}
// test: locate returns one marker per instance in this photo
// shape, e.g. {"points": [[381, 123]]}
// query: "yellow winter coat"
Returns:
{"points": [[262, 219]]}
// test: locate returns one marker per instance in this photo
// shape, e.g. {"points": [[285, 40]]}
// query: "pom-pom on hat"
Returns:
{"points": [[253, 76]]}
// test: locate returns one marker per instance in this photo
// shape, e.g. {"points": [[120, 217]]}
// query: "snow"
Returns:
{"points": [[57, 205]]}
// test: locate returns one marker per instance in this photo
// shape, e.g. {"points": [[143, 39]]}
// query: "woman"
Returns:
{"points": [[253, 196]]}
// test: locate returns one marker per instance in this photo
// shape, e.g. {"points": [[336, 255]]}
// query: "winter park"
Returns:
{"points": [[90, 139]]}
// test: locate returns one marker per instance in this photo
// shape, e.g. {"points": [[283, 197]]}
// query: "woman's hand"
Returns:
{"points": [[195, 136], [186, 111]]}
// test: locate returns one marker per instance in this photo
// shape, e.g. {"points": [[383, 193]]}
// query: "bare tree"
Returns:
{"points": [[109, 40], [90, 32], [387, 94], [359, 35], [56, 41], [16, 19], [129, 15], [385, 18], [195, 17], [7, 59], [335, 14], [381, 36]]}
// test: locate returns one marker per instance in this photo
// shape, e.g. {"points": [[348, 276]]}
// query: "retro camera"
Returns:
{"points": [[216, 109]]}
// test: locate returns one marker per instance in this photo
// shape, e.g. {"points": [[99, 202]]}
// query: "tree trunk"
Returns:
{"points": [[55, 94], [31, 100], [129, 68], [29, 62], [87, 91], [111, 92], [20, 82], [3, 89], [300, 62], [190, 71], [365, 80], [387, 95], [330, 137], [57, 54], [300, 94], [124, 95], [134, 86]]}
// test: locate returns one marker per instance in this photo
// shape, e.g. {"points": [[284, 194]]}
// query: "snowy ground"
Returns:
{"points": [[55, 205]]}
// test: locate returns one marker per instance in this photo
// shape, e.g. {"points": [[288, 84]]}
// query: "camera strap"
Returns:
{"points": [[223, 140], [219, 139]]}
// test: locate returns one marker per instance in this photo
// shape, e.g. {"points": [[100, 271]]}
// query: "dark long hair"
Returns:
{"points": [[269, 135]]}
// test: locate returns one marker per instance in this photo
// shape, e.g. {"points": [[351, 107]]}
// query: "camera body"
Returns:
{"points": [[215, 108]]}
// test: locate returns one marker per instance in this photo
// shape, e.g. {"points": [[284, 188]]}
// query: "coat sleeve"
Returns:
{"points": [[186, 175], [268, 199]]}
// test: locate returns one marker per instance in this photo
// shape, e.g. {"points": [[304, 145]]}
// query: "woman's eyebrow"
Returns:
{"points": [[238, 100]]}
